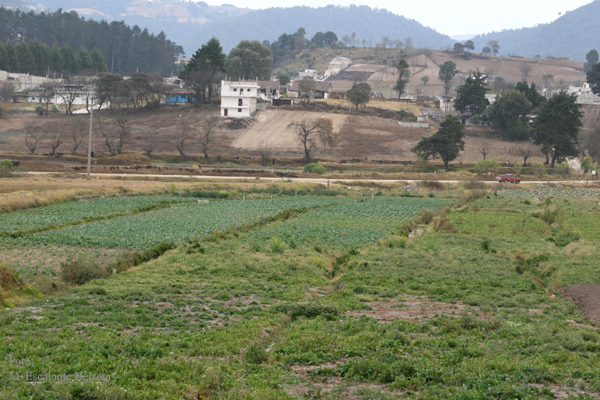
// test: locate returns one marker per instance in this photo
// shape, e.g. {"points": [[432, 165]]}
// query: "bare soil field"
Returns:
{"points": [[357, 136]]}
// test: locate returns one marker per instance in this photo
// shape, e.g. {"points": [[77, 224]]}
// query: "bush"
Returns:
{"points": [[474, 184], [6, 169], [588, 165], [563, 169], [54, 109], [315, 169], [81, 271], [539, 170], [487, 167], [277, 245], [517, 169], [256, 354], [9, 282]]}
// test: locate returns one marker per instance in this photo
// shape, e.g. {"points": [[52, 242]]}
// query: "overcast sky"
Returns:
{"points": [[447, 16]]}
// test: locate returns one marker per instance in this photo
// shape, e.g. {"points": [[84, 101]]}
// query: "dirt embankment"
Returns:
{"points": [[587, 297]]}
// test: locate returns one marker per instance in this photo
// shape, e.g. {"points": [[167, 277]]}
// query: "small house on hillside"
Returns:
{"points": [[321, 90], [338, 64], [239, 99], [179, 96], [269, 90]]}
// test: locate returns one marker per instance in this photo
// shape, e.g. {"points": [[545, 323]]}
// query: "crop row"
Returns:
{"points": [[348, 223], [174, 224], [544, 192], [65, 213]]}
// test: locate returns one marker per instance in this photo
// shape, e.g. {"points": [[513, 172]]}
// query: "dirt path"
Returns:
{"points": [[272, 129]]}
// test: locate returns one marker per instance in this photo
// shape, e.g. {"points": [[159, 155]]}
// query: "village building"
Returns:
{"points": [[239, 98], [337, 64], [269, 90]]}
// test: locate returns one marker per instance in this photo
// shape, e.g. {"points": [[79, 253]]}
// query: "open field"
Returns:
{"points": [[324, 295]]}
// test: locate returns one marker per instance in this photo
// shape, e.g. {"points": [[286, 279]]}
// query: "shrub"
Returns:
{"points": [[562, 239], [587, 165], [277, 245], [6, 169], [473, 184], [517, 169], [80, 271], [9, 282], [424, 217], [564, 169], [487, 167], [539, 170], [315, 169], [256, 354]]}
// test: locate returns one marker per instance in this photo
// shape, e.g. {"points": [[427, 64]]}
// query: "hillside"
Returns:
{"points": [[376, 66], [368, 24], [190, 24], [571, 35]]}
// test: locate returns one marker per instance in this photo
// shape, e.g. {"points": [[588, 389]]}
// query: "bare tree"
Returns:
{"points": [[48, 93], [150, 143], [207, 130], [525, 71], [123, 132], [77, 129], [33, 135], [305, 89], [590, 137], [181, 138], [524, 151], [109, 138], [385, 41], [313, 133], [71, 88], [57, 138], [265, 153], [483, 147], [6, 91]]}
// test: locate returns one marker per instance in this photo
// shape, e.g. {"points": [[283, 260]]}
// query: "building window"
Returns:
{"points": [[235, 89], [240, 103], [239, 110], [241, 90]]}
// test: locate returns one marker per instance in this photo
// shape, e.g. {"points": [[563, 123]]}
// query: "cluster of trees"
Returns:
{"points": [[493, 47], [125, 49], [555, 128], [289, 45], [248, 60], [40, 59], [141, 90]]}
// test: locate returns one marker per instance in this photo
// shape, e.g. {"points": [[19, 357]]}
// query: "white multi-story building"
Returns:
{"points": [[238, 99]]}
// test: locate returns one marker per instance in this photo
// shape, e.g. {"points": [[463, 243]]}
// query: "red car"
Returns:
{"points": [[511, 178]]}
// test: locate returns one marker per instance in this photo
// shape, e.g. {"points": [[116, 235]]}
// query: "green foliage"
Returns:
{"points": [[277, 245], [50, 39], [564, 169], [284, 79], [563, 239], [508, 114], [488, 166], [470, 97], [204, 70], [517, 169], [403, 75], [557, 125], [256, 354], [593, 78], [360, 94], [588, 165], [6, 169], [446, 144], [531, 93], [314, 168], [249, 60], [539, 170]]}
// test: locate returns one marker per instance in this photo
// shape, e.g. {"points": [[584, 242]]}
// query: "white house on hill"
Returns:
{"points": [[238, 99]]}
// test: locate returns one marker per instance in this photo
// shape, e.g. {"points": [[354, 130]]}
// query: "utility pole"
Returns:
{"points": [[89, 165]]}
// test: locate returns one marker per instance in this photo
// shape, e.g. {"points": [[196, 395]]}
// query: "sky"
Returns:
{"points": [[450, 17]]}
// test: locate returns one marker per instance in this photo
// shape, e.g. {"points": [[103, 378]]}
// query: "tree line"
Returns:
{"points": [[39, 59], [125, 49]]}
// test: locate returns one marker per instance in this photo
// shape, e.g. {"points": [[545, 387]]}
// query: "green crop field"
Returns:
{"points": [[327, 301]]}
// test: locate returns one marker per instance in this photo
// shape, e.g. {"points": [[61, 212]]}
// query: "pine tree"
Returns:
{"points": [[84, 60], [98, 62]]}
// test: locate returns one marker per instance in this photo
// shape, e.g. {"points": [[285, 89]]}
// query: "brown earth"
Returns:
{"points": [[587, 297]]}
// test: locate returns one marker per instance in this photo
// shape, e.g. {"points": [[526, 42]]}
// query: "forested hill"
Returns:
{"points": [[125, 49], [573, 35], [369, 24]]}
